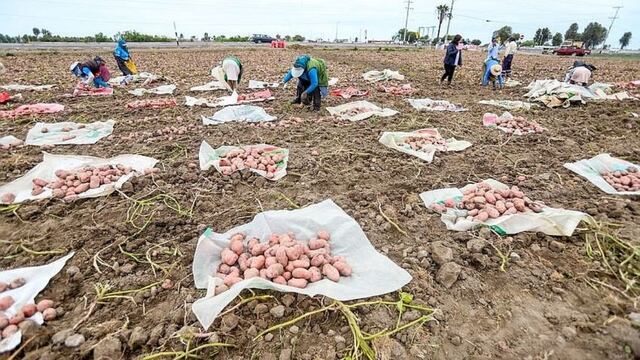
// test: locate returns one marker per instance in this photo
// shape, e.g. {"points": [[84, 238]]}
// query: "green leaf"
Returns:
{"points": [[406, 297]]}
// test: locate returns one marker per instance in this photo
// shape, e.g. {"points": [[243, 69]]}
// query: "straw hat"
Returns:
{"points": [[496, 69]]}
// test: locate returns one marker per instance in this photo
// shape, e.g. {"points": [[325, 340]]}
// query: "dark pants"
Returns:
{"points": [[125, 70], [314, 96], [506, 65], [448, 73]]}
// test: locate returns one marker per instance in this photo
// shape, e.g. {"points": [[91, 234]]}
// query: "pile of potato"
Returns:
{"points": [[10, 326], [623, 180], [282, 123], [152, 103], [482, 202], [168, 133], [514, 123], [405, 89], [72, 183], [252, 158], [13, 144], [355, 111], [420, 142], [281, 259]]}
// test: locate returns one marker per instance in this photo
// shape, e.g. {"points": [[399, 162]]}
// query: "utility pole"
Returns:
{"points": [[406, 22], [176, 32], [446, 37], [337, 23], [615, 16]]}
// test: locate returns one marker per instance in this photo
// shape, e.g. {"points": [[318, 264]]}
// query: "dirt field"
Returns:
{"points": [[542, 307]]}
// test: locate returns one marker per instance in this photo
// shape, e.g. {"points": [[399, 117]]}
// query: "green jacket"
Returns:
{"points": [[237, 61], [321, 68]]}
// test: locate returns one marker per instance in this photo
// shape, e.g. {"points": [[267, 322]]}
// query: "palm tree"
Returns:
{"points": [[624, 40], [442, 11]]}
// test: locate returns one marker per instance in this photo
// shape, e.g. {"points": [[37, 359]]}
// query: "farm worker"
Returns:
{"points": [[509, 50], [492, 73], [232, 68], [493, 50], [91, 72], [123, 58], [313, 80], [452, 58], [579, 74]]}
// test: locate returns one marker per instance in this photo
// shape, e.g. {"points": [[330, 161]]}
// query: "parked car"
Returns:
{"points": [[571, 50], [261, 38]]}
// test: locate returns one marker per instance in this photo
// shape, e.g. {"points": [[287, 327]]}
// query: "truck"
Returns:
{"points": [[572, 48]]}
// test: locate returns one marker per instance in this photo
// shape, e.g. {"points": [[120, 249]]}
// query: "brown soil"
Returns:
{"points": [[540, 308]]}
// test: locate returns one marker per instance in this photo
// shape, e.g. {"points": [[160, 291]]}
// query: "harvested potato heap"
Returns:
{"points": [[9, 326], [284, 123], [420, 142], [45, 130], [151, 104], [483, 202], [250, 157], [168, 133], [72, 183], [282, 259], [623, 180], [519, 123], [356, 111]]}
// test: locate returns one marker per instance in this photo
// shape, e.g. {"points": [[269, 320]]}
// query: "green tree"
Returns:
{"points": [[36, 31], [528, 43], [476, 42], [546, 35], [537, 38], [593, 35], [206, 37], [412, 36], [442, 12], [572, 32], [503, 33], [624, 40], [298, 38], [287, 38], [557, 39]]}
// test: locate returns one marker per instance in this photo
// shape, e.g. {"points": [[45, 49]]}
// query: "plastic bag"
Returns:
{"points": [[211, 157], [22, 186], [373, 273], [19, 87], [592, 168], [359, 110], [160, 90], [394, 140], [210, 86], [434, 105], [131, 66], [555, 222], [78, 134], [254, 84], [386, 74], [239, 113]]}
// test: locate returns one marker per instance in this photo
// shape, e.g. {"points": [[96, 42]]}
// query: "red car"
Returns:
{"points": [[572, 51]]}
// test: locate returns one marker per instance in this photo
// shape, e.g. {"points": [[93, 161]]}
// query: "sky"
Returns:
{"points": [[474, 19]]}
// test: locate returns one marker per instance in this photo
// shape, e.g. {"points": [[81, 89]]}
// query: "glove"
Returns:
{"points": [[305, 98]]}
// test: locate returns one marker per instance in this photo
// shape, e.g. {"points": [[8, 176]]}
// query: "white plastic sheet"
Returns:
{"points": [[394, 140], [210, 86], [239, 113], [160, 90], [144, 77], [218, 74], [37, 278], [209, 157], [434, 105], [551, 221], [19, 87], [217, 102], [255, 84], [592, 168], [22, 186], [82, 133], [373, 273], [10, 140], [507, 104], [386, 74], [333, 81], [359, 110]]}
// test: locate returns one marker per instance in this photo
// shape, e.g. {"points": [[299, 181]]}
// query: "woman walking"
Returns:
{"points": [[452, 58]]}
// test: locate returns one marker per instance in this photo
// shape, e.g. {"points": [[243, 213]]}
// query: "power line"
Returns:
{"points": [[613, 19], [406, 22]]}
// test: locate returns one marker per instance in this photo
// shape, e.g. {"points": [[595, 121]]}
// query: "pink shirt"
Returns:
{"points": [[581, 75]]}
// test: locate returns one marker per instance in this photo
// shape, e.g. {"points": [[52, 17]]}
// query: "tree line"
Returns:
{"points": [[593, 35]]}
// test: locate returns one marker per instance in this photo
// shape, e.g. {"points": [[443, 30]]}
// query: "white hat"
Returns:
{"points": [[74, 65], [496, 69], [296, 72]]}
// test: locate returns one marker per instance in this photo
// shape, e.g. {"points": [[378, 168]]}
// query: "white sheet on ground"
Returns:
{"points": [[19, 87], [160, 90], [373, 273], [359, 110], [394, 140], [239, 113], [37, 278], [551, 221], [22, 186], [386, 74], [211, 157], [10, 140], [144, 77], [434, 105], [592, 168], [210, 86], [508, 104], [255, 84], [89, 133]]}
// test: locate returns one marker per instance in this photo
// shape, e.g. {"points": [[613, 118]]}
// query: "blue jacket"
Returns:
{"points": [[487, 77], [309, 76], [493, 51], [121, 50], [450, 56]]}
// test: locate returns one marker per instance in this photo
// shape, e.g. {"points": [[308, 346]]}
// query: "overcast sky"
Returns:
{"points": [[312, 19]]}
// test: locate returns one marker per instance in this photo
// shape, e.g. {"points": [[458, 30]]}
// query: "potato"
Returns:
{"points": [[3, 286], [7, 198], [29, 309], [280, 280], [324, 235], [236, 246], [6, 302], [17, 318], [275, 270], [331, 272], [94, 182], [301, 273], [318, 260], [294, 252], [234, 271], [449, 203], [315, 244], [270, 261], [81, 188], [4, 322], [231, 280], [472, 212], [493, 213], [221, 288], [287, 275], [224, 268], [251, 273], [482, 216], [252, 242], [316, 274], [343, 268], [263, 273], [243, 261], [259, 249], [44, 304], [289, 266], [40, 182], [303, 262], [229, 257], [49, 314], [281, 256], [298, 283], [9, 330]]}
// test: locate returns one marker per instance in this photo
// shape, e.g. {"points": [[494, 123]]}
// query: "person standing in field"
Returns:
{"points": [[123, 58], [452, 58], [510, 49], [493, 50], [313, 80]]}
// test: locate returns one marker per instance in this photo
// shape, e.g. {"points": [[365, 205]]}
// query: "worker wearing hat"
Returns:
{"points": [[123, 58], [92, 72], [313, 80], [492, 73]]}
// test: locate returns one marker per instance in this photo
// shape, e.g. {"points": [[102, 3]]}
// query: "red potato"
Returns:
{"points": [[263, 273], [7, 198], [298, 283], [251, 243], [315, 244], [301, 273], [229, 257], [270, 260], [274, 239], [6, 302], [275, 270], [331, 272], [251, 273], [231, 280], [40, 182], [9, 330], [234, 271], [236, 246], [3, 286], [220, 289], [243, 261], [303, 262], [280, 280], [281, 256], [287, 275], [257, 262], [294, 252], [324, 235], [17, 318], [224, 268], [316, 274], [44, 304], [4, 322], [49, 314], [29, 310], [343, 268], [318, 260], [289, 266]]}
